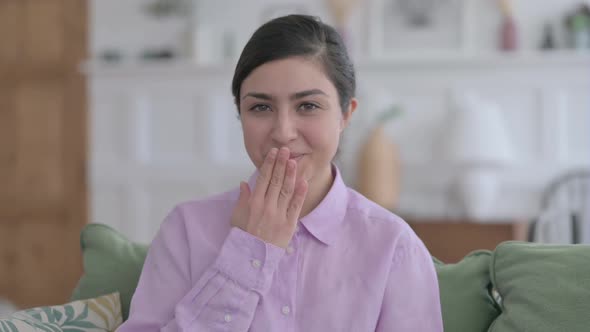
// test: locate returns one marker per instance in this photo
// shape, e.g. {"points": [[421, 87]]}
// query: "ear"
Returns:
{"points": [[346, 116]]}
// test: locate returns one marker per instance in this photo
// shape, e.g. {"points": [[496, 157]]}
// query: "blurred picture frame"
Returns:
{"points": [[418, 28]]}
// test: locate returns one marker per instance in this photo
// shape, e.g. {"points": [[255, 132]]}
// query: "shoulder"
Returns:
{"points": [[383, 225], [363, 210]]}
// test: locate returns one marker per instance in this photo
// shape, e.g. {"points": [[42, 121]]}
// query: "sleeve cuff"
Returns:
{"points": [[248, 260]]}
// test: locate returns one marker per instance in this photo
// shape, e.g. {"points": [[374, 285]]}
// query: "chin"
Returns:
{"points": [[302, 174], [309, 174]]}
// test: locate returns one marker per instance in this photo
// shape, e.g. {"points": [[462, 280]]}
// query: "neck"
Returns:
{"points": [[318, 188]]}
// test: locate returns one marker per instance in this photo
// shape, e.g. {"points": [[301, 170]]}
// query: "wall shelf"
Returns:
{"points": [[552, 58], [162, 67], [445, 60]]}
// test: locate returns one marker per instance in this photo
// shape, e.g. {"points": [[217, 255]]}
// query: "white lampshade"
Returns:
{"points": [[477, 134]]}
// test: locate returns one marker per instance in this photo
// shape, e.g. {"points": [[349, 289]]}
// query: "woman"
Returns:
{"points": [[293, 249]]}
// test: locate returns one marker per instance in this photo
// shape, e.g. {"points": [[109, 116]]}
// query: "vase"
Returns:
{"points": [[378, 169]]}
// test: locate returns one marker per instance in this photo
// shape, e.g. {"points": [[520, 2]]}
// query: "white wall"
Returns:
{"points": [[160, 136]]}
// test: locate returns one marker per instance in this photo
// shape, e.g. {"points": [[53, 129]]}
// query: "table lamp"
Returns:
{"points": [[479, 147]]}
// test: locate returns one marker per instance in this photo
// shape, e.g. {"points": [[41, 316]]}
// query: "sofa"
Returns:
{"points": [[516, 287]]}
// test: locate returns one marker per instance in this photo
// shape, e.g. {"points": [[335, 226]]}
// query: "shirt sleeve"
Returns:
{"points": [[412, 300], [223, 298]]}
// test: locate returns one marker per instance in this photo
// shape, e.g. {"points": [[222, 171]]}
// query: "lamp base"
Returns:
{"points": [[477, 188]]}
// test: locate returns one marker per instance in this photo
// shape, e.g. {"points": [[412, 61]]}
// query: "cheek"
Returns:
{"points": [[254, 138], [324, 136]]}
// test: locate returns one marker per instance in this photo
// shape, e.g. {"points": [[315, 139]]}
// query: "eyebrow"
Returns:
{"points": [[295, 96]]}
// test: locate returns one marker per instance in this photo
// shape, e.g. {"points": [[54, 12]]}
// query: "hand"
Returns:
{"points": [[272, 210]]}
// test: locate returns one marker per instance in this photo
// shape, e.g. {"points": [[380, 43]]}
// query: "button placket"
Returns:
{"points": [[256, 263], [291, 262], [286, 310]]}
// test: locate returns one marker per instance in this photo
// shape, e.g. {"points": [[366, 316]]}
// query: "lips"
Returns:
{"points": [[296, 156]]}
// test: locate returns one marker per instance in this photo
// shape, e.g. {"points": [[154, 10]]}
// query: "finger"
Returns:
{"points": [[244, 194], [263, 178], [297, 202], [277, 178], [288, 187]]}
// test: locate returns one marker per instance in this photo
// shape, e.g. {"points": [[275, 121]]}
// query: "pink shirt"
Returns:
{"points": [[351, 266]]}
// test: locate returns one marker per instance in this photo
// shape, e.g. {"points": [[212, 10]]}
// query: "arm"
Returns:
{"points": [[412, 299], [223, 298], [226, 295]]}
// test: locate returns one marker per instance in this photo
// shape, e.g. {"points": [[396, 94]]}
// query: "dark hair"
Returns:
{"points": [[298, 35]]}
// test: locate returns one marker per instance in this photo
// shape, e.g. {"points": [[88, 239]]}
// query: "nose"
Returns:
{"points": [[284, 128]]}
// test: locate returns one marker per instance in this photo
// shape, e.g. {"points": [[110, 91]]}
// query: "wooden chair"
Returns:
{"points": [[565, 210]]}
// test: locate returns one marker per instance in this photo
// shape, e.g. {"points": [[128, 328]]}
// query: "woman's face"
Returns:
{"points": [[292, 103]]}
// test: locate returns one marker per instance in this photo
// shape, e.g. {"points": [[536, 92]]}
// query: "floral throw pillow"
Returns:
{"points": [[92, 315]]}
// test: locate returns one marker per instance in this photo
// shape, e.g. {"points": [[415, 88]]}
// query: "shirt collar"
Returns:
{"points": [[323, 221]]}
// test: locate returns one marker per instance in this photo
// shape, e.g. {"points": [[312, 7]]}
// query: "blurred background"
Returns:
{"points": [[473, 122]]}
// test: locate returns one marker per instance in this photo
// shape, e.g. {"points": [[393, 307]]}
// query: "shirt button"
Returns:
{"points": [[256, 264], [290, 250], [286, 310], [227, 318], [297, 228]]}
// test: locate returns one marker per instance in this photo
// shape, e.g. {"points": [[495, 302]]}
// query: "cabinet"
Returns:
{"points": [[451, 240]]}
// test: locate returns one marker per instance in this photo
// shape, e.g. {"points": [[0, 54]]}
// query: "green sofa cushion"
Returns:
{"points": [[542, 287], [112, 263], [464, 293]]}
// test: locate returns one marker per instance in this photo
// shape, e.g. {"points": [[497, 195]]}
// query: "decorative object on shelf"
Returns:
{"points": [[208, 41], [508, 39], [214, 45], [163, 9], [379, 165], [480, 147], [166, 8], [417, 27], [213, 41], [548, 42], [158, 54], [110, 55], [341, 11], [417, 13], [578, 27]]}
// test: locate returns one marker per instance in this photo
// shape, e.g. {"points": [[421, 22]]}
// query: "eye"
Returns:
{"points": [[260, 108], [308, 107]]}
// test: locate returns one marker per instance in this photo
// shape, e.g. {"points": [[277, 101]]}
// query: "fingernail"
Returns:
{"points": [[273, 152]]}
